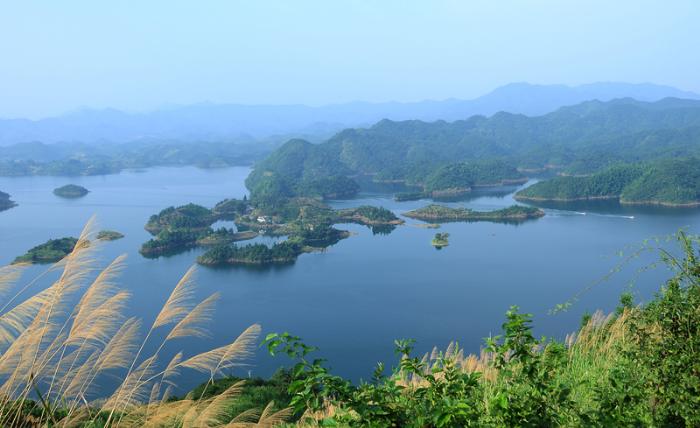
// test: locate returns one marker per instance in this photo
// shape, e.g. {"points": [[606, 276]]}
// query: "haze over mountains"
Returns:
{"points": [[216, 122]]}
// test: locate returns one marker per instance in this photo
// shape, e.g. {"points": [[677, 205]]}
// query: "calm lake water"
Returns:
{"points": [[354, 299]]}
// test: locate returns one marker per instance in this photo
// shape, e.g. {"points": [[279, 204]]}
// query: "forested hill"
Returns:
{"points": [[580, 139], [557, 138], [672, 182]]}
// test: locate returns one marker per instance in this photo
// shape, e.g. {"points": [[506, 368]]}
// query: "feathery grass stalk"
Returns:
{"points": [[58, 354], [176, 307]]}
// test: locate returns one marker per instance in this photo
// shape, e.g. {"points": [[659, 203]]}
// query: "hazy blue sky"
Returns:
{"points": [[60, 55]]}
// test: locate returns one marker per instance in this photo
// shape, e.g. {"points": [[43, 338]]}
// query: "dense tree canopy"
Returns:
{"points": [[669, 182], [580, 139]]}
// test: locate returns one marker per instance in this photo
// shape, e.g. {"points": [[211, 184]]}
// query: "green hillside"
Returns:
{"points": [[581, 139], [664, 182], [668, 182]]}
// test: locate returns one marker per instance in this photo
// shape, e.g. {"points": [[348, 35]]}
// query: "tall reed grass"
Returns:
{"points": [[60, 346]]}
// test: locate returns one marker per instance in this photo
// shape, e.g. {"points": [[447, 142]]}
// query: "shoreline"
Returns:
{"points": [[609, 198]]}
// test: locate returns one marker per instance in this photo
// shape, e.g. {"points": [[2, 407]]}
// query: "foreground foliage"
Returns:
{"points": [[59, 347], [636, 367]]}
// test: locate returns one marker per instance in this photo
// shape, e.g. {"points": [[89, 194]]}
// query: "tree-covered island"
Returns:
{"points": [[51, 251], [443, 214], [369, 216], [306, 222], [440, 240], [5, 202], [71, 191]]}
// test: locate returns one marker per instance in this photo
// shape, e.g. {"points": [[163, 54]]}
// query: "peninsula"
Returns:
{"points": [[5, 202]]}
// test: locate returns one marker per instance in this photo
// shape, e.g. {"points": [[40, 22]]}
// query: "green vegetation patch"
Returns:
{"points": [[440, 240], [457, 156], [369, 215], [669, 182], [637, 367], [78, 159], [179, 229], [229, 209], [256, 393], [260, 254], [71, 191], [190, 216], [109, 235], [224, 236], [441, 213], [51, 251], [465, 175], [305, 239], [607, 184], [299, 168]]}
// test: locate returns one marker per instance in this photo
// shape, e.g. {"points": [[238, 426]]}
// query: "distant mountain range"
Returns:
{"points": [[219, 122]]}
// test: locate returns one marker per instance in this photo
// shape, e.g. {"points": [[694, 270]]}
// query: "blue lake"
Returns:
{"points": [[354, 299]]}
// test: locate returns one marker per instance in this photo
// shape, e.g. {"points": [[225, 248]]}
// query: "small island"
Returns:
{"points": [[369, 216], [5, 202], [51, 251], [440, 240], [71, 191], [442, 214], [379, 219], [109, 235]]}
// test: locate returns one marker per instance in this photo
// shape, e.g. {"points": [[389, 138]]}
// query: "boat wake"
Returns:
{"points": [[582, 213]]}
